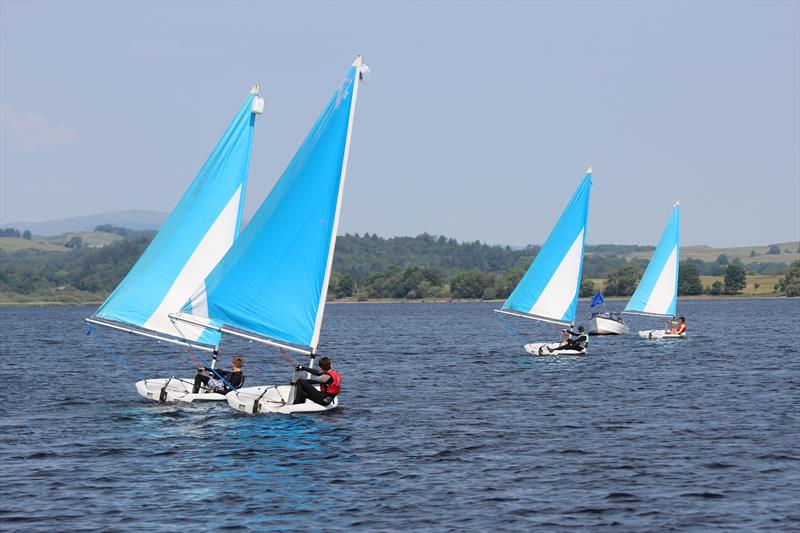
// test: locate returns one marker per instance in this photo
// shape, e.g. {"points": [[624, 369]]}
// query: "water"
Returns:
{"points": [[446, 425]]}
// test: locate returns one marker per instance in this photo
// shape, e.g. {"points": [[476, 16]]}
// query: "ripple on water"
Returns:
{"points": [[447, 425]]}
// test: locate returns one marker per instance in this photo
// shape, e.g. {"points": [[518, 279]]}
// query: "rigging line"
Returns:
{"points": [[283, 402], [91, 332], [508, 329], [191, 352], [169, 365]]}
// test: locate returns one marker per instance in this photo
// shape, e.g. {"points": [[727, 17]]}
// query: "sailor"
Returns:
{"points": [[579, 343], [329, 381], [210, 378], [680, 328]]}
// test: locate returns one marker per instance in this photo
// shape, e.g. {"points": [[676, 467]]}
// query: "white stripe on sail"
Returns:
{"points": [[205, 257], [557, 296], [664, 290]]}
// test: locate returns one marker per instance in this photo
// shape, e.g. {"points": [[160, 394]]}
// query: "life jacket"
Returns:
{"points": [[681, 328], [334, 386]]}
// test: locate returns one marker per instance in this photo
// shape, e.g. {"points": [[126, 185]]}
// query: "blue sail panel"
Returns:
{"points": [[549, 289], [201, 228], [272, 280], [657, 293]]}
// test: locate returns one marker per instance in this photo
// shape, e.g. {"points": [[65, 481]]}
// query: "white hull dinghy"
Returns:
{"points": [[167, 390], [548, 349], [657, 292], [273, 399], [548, 292], [195, 237], [657, 334], [271, 285], [606, 325]]}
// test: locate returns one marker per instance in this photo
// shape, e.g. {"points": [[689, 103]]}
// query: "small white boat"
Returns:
{"points": [[657, 334], [195, 237], [607, 324], [548, 292], [549, 349], [166, 390], [273, 399], [657, 292]]}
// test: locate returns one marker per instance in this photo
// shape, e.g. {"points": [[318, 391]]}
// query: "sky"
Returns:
{"points": [[478, 122]]}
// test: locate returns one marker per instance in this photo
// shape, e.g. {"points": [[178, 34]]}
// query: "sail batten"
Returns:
{"points": [[549, 289], [201, 228], [657, 292], [273, 282]]}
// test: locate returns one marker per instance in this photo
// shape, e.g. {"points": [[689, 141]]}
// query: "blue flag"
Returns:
{"points": [[597, 299]]}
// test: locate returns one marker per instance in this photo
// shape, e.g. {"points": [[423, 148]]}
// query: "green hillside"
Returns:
{"points": [[743, 253]]}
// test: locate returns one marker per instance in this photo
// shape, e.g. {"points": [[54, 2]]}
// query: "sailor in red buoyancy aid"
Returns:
{"points": [[329, 381]]}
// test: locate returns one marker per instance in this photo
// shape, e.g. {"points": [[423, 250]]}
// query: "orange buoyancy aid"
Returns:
{"points": [[334, 386], [681, 328]]}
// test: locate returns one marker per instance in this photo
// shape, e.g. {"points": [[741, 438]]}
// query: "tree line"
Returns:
{"points": [[369, 266]]}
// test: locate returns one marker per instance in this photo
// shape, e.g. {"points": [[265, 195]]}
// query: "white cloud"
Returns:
{"points": [[29, 132]]}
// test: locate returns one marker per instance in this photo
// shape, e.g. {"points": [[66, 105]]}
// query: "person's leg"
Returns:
{"points": [[299, 392], [307, 391], [199, 379]]}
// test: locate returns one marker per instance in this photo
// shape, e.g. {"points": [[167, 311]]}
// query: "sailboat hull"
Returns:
{"points": [[547, 349], [272, 399], [168, 390], [657, 334], [605, 326]]}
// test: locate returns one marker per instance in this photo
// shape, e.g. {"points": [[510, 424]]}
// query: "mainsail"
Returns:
{"points": [[657, 293], [549, 289], [191, 242], [271, 285]]}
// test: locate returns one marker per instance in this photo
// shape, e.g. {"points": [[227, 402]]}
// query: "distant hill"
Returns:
{"points": [[788, 253], [137, 219]]}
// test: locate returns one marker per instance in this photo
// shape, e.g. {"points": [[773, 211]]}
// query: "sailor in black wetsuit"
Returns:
{"points": [[209, 379], [578, 344]]}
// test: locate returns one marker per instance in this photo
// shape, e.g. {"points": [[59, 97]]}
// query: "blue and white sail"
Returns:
{"points": [[549, 289], [657, 293], [271, 285], [195, 237]]}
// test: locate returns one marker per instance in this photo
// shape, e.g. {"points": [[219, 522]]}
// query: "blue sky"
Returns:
{"points": [[478, 123]]}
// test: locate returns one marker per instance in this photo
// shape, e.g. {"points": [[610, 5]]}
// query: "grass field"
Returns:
{"points": [[12, 244], [766, 284], [709, 254], [91, 239]]}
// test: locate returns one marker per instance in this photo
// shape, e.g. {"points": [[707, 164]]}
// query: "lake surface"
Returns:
{"points": [[446, 424]]}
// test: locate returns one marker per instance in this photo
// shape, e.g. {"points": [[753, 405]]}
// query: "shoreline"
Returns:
{"points": [[350, 301]]}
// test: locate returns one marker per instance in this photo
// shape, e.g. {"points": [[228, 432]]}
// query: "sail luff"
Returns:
{"points": [[335, 228]]}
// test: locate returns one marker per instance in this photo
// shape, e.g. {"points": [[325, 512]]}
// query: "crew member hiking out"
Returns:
{"points": [[210, 379], [329, 381]]}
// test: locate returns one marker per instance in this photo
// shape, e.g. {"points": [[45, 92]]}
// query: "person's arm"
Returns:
{"points": [[311, 371]]}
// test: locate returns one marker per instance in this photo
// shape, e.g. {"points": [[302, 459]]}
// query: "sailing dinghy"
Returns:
{"points": [[271, 285], [657, 292], [201, 228], [548, 292]]}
